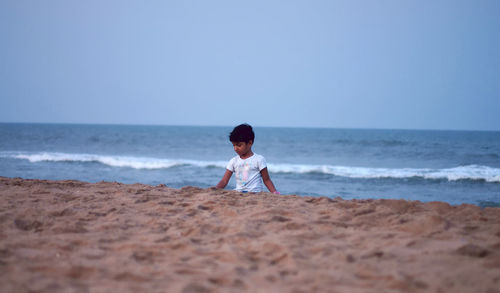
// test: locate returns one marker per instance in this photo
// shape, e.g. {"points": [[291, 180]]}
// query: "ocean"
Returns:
{"points": [[451, 166]]}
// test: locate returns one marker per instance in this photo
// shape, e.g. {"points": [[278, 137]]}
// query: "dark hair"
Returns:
{"points": [[242, 133]]}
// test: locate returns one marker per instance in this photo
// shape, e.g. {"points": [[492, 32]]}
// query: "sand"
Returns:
{"points": [[71, 236]]}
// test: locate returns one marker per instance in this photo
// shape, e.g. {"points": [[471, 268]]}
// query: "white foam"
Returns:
{"points": [[115, 161], [469, 172]]}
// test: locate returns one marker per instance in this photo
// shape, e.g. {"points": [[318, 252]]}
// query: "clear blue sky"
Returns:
{"points": [[363, 64]]}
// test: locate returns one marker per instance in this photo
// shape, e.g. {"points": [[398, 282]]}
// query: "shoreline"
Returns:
{"points": [[67, 235]]}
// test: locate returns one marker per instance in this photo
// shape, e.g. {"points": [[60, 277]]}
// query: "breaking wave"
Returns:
{"points": [[113, 161], [469, 172]]}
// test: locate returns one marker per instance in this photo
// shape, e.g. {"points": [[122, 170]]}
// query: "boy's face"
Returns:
{"points": [[242, 148]]}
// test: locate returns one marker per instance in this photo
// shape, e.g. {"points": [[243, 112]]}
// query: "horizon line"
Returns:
{"points": [[253, 125]]}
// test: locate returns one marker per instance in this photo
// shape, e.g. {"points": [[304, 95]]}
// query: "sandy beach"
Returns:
{"points": [[71, 236]]}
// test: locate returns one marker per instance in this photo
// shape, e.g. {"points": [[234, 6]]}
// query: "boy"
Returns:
{"points": [[250, 168]]}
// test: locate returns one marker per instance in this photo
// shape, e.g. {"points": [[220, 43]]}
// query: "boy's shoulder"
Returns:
{"points": [[258, 157], [234, 158]]}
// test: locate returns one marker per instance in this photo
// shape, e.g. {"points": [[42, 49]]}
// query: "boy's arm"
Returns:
{"points": [[267, 180], [225, 179]]}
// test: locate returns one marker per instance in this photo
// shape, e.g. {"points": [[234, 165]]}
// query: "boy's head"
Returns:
{"points": [[242, 133]]}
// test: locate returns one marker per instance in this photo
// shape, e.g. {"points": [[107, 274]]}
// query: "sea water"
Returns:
{"points": [[452, 166]]}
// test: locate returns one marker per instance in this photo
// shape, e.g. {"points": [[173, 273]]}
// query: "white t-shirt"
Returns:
{"points": [[247, 172]]}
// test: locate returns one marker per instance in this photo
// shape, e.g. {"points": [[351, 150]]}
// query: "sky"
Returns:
{"points": [[345, 64]]}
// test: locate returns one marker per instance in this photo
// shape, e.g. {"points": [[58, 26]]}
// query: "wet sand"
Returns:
{"points": [[71, 236]]}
